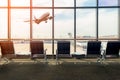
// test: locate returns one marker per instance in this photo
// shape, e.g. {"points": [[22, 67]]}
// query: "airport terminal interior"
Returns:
{"points": [[51, 22]]}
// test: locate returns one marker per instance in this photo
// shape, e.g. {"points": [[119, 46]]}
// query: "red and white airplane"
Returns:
{"points": [[44, 17]]}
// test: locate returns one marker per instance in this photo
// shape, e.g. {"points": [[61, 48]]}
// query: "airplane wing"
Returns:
{"points": [[27, 21]]}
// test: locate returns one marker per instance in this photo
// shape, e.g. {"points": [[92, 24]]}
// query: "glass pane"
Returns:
{"points": [[64, 23], [86, 23], [3, 23], [44, 28], [48, 46], [3, 2], [20, 28], [22, 47], [86, 3], [20, 2], [81, 47], [108, 2], [108, 23], [63, 3], [42, 3]]}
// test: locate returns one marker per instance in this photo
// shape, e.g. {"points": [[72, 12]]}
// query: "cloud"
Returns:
{"points": [[108, 21], [20, 2], [108, 2], [64, 20], [86, 2], [63, 3], [86, 22], [3, 2], [42, 3]]}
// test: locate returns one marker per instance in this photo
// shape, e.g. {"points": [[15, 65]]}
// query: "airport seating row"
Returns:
{"points": [[94, 50]]}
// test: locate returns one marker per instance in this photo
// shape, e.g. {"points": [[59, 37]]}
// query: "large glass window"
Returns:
{"points": [[44, 28], [108, 23], [86, 23], [20, 28], [77, 23], [64, 23]]}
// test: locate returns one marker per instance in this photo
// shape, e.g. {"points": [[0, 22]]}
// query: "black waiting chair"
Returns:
{"points": [[7, 50], [93, 49], [112, 49], [63, 50], [37, 50]]}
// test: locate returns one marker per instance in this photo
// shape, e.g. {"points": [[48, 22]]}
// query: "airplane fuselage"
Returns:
{"points": [[44, 17]]}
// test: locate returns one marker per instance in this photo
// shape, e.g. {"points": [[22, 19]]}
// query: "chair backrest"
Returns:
{"points": [[94, 48], [36, 47], [63, 47], [7, 47], [113, 48]]}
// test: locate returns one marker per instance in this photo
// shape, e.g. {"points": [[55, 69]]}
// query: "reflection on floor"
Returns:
{"points": [[64, 71], [60, 61]]}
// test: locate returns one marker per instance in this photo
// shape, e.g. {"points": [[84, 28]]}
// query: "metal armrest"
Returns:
{"points": [[103, 54], [45, 57], [56, 54]]}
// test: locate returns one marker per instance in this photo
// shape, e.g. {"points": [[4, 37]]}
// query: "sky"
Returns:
{"points": [[64, 19], [108, 2]]}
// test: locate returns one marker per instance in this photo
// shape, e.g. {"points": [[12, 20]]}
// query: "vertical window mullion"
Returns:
{"points": [[74, 25], [9, 20], [31, 34], [97, 20], [119, 19], [53, 28]]}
